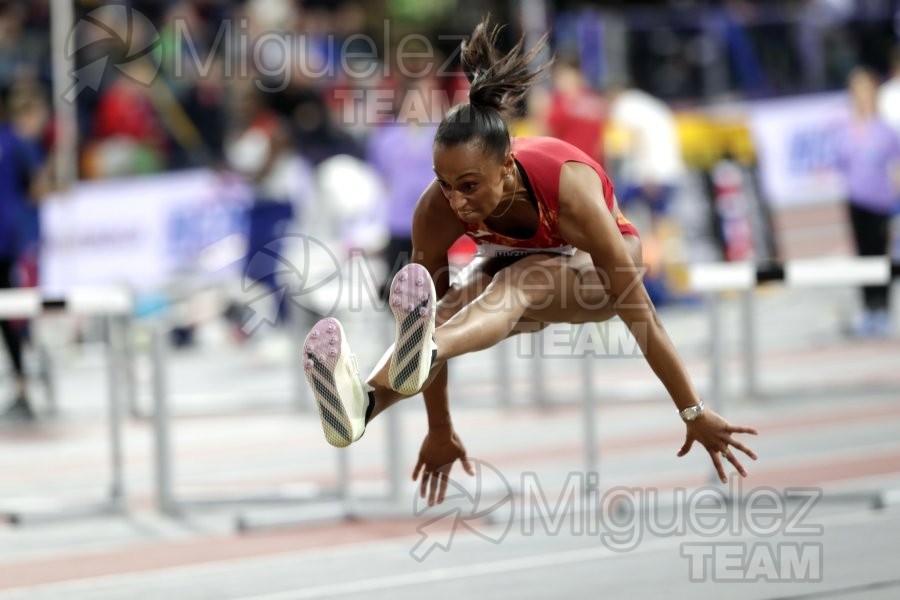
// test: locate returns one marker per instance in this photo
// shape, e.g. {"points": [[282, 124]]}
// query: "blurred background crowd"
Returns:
{"points": [[155, 143]]}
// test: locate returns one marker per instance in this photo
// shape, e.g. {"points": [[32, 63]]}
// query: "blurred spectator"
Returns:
{"points": [[196, 82], [20, 54], [127, 133], [534, 122], [869, 158], [270, 15], [260, 151], [20, 163], [400, 153], [577, 114], [889, 94], [318, 135], [30, 116], [651, 168], [203, 107], [315, 133]]}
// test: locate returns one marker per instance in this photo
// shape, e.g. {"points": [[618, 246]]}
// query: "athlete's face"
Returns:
{"points": [[473, 181]]}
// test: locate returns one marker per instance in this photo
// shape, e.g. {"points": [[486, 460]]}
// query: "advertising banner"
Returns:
{"points": [[796, 141], [143, 232]]}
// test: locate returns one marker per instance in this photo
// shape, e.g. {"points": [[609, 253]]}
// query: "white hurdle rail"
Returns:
{"points": [[313, 505], [321, 503], [115, 305], [346, 504], [714, 280]]}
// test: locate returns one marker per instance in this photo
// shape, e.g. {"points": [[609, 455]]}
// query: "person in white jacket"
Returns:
{"points": [[652, 166], [889, 94]]}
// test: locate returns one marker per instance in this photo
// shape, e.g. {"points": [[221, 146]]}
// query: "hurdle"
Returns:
{"points": [[343, 505], [324, 503], [114, 304], [715, 280], [394, 501]]}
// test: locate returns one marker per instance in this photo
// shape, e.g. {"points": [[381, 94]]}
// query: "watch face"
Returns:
{"points": [[692, 412]]}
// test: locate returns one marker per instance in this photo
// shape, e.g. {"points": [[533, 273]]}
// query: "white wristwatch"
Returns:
{"points": [[691, 412]]}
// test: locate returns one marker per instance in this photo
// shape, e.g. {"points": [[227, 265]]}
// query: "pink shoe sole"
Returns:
{"points": [[412, 301], [331, 371]]}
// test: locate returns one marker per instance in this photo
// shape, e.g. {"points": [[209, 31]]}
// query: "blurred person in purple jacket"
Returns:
{"points": [[869, 159], [400, 152]]}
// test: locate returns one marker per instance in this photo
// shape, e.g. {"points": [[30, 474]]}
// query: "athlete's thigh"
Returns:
{"points": [[554, 289], [566, 289], [469, 284]]}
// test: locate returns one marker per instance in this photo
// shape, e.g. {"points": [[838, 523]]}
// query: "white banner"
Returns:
{"points": [[142, 231], [796, 141]]}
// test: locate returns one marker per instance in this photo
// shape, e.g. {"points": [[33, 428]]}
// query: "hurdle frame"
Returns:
{"points": [[345, 506], [319, 505], [114, 305], [715, 280], [176, 506]]}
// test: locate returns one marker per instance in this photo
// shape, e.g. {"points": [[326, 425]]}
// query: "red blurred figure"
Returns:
{"points": [[577, 113], [125, 110]]}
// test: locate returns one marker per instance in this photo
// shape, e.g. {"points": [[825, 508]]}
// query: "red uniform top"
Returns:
{"points": [[579, 119], [540, 161]]}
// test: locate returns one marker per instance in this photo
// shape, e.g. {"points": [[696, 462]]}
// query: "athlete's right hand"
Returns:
{"points": [[440, 449]]}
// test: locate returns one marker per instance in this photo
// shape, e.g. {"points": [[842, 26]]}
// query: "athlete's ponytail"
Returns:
{"points": [[497, 85]]}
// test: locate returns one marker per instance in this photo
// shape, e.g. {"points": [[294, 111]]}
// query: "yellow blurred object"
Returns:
{"points": [[699, 142], [617, 140], [678, 278], [738, 141], [705, 140], [522, 128]]}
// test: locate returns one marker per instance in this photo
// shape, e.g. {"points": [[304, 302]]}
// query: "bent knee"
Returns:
{"points": [[444, 313], [635, 248], [456, 298]]}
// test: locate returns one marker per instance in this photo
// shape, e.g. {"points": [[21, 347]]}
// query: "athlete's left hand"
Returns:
{"points": [[440, 449], [714, 433]]}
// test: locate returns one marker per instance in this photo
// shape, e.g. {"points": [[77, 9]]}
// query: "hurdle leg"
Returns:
{"points": [[165, 500], [115, 369], [717, 359], [115, 503], [748, 339], [589, 406]]}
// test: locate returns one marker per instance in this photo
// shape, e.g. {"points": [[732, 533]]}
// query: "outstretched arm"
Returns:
{"points": [[435, 229], [587, 224]]}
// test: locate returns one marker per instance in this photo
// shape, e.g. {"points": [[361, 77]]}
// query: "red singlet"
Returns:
{"points": [[540, 161]]}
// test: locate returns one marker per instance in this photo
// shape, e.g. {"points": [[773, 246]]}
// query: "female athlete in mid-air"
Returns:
{"points": [[553, 248]]}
